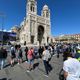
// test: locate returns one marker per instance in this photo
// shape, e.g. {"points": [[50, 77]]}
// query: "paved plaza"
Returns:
{"points": [[19, 72]]}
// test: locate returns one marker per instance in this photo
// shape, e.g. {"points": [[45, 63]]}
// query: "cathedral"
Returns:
{"points": [[35, 29]]}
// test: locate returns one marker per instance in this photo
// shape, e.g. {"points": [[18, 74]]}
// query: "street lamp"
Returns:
{"points": [[2, 16]]}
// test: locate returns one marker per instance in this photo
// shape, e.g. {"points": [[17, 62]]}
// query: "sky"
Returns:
{"points": [[65, 14]]}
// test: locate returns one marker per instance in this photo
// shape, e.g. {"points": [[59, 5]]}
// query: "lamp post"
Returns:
{"points": [[2, 16]]}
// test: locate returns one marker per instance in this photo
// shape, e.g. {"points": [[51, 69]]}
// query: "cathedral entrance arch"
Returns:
{"points": [[40, 33]]}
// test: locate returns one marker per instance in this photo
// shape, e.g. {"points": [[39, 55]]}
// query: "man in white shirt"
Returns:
{"points": [[46, 56], [71, 68]]}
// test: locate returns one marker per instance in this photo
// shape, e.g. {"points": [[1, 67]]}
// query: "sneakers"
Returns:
{"points": [[28, 70], [26, 61], [46, 75], [18, 63], [12, 65]]}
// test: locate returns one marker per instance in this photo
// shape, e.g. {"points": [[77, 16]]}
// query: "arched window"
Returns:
{"points": [[47, 14], [43, 14], [32, 7]]}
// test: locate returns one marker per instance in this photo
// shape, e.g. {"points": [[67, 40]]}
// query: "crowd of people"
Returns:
{"points": [[31, 53], [71, 61], [70, 52], [71, 64]]}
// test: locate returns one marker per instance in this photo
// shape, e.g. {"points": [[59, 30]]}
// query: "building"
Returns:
{"points": [[70, 38], [35, 29], [75, 36], [6, 37], [16, 29]]}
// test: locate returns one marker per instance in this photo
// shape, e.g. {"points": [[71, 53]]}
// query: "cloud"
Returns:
{"points": [[5, 30], [9, 31]]}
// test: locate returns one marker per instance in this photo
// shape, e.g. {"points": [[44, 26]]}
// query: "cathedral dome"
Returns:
{"points": [[45, 7]]}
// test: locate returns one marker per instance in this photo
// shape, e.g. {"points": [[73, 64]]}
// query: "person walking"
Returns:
{"points": [[30, 59], [46, 56], [40, 51], [19, 54], [3, 56], [26, 51], [13, 56]]}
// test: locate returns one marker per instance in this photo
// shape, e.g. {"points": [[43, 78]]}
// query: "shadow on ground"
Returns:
{"points": [[3, 79], [35, 65]]}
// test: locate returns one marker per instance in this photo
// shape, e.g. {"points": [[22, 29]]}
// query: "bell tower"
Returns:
{"points": [[46, 12], [31, 7]]}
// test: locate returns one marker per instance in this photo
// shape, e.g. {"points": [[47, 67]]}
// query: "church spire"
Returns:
{"points": [[46, 12], [31, 7]]}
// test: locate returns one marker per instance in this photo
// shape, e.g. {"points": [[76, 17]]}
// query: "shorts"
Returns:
{"points": [[13, 56], [30, 61], [18, 57]]}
